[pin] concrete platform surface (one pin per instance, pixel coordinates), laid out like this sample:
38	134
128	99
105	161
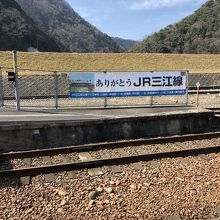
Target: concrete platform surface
77	115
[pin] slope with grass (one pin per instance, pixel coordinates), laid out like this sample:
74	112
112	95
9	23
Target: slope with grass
115	62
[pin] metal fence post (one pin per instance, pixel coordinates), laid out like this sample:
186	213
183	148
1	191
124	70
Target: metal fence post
17	95
151	101
105	100
1	88
151	98
56	89
187	89
197	94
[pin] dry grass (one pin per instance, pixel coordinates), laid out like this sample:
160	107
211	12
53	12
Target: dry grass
124	62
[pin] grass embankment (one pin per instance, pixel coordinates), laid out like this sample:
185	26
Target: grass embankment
195	63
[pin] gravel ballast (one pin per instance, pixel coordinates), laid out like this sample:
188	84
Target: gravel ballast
190	190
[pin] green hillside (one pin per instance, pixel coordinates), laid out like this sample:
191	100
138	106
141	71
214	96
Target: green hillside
197	33
126	44
71	32
18	31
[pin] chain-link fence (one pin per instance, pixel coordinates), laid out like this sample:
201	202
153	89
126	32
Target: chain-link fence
1	89
47	89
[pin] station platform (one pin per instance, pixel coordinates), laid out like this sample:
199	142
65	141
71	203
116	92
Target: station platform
32	129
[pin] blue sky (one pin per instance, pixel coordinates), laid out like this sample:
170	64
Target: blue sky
133	19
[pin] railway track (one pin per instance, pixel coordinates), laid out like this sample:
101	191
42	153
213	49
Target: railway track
124	152
216	110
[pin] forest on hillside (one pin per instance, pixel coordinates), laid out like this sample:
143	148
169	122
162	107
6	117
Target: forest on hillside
197	33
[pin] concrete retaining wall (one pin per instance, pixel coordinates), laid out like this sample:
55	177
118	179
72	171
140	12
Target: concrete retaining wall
56	134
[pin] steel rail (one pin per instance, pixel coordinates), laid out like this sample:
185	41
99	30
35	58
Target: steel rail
216	110
108	145
32	171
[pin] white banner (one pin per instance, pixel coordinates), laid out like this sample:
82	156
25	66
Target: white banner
127	84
